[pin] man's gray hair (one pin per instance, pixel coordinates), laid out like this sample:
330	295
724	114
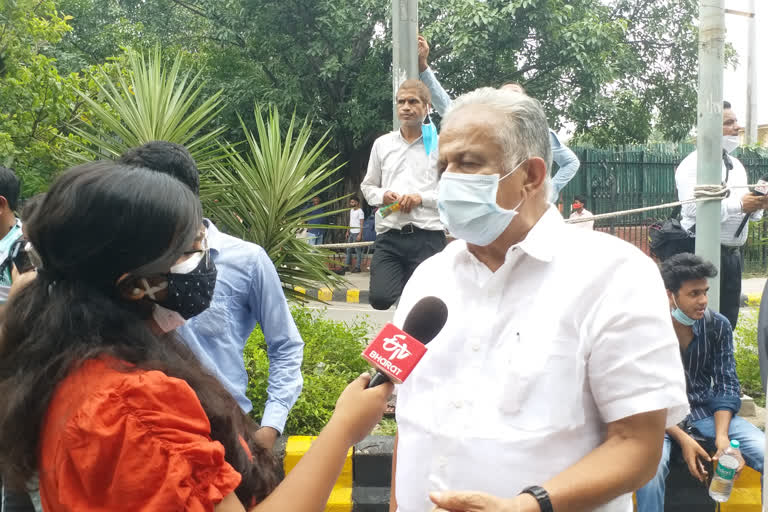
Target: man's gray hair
523	133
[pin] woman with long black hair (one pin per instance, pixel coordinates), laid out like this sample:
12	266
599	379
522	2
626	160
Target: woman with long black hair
111	413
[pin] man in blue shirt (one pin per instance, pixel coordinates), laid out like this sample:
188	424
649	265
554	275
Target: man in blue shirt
316	235
10	226
706	346
566	160
248	292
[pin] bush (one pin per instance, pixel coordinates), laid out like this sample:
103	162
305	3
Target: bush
747	359
331	361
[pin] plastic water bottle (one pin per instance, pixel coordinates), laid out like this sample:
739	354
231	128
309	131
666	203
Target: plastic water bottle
388	210
725	473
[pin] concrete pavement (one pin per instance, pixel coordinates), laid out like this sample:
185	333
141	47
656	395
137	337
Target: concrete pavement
355	292
753	287
349	313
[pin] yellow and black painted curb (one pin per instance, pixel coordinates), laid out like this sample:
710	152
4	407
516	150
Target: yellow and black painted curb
746	493
751	300
364	483
348	295
341	495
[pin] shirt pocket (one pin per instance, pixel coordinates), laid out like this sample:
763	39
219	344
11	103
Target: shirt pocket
545	395
217	320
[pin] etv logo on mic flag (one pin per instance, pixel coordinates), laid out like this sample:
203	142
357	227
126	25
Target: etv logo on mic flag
394	353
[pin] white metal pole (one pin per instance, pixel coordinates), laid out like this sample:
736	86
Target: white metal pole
710	133
750	131
405	32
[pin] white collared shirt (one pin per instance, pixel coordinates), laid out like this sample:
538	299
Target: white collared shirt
533	362
731	214
403	168
589	224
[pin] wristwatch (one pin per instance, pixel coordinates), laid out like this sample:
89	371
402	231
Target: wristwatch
541	495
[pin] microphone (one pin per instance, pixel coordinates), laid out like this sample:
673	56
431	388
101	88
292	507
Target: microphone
761	189
396	352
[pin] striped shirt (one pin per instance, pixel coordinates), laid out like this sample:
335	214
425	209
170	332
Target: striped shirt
710	369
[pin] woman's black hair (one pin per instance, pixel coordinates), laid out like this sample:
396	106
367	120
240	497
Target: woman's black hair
30	206
99	222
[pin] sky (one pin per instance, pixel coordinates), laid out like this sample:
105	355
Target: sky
735	81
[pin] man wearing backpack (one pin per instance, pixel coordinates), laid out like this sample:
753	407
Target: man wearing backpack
706	347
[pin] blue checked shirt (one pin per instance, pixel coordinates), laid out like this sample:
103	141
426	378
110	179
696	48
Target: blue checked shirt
248	292
566	160
710	369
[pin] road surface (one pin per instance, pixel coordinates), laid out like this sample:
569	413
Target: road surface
344	312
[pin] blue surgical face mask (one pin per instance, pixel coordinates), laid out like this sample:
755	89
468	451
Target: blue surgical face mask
429	135
468	208
681	317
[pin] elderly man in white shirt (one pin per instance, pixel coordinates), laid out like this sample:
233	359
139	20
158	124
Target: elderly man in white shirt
552	382
402	169
732	210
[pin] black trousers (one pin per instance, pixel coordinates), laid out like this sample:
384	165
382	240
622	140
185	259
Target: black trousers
730	283
397	254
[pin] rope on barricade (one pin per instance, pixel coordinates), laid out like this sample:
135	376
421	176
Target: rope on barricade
701	193
350	245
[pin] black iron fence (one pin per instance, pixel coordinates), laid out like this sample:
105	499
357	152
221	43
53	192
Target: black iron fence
631	177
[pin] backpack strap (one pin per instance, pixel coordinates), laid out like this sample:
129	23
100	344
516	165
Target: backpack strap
709	323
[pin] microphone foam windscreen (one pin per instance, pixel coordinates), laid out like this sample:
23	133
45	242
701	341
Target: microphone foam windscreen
426	319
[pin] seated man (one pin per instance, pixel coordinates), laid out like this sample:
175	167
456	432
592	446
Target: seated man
706	345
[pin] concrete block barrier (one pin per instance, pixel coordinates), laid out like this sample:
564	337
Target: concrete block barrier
364	484
348	295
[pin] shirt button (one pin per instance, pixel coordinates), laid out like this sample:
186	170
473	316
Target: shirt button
476	347
443	462
458	404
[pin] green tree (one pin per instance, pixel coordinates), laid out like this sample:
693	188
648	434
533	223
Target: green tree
614	68
103	28
617	69
656	87
37	102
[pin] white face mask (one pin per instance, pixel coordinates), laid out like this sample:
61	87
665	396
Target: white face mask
189	264
468	208
166	319
731	142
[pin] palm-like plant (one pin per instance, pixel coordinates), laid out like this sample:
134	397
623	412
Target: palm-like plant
261	193
147	101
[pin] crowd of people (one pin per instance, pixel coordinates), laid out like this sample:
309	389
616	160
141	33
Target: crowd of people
121	350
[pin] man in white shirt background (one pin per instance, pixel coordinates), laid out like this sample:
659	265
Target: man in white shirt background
355	233
401	169
529	397
732	210
580	212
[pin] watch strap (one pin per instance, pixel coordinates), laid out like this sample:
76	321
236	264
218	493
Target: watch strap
541	495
